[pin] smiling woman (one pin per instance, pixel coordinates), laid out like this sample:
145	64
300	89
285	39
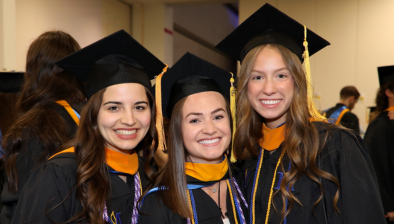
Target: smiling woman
99	177
298	168
197	184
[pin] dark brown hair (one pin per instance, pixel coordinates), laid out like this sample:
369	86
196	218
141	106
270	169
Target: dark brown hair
172	175
382	101
44	84
302	144
7	111
92	184
349	91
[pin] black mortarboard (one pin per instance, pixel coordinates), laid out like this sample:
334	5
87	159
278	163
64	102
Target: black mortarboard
11	82
268	25
386	74
191	75
115	59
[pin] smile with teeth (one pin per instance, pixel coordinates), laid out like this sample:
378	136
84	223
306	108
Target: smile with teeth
126	132
209	141
270	102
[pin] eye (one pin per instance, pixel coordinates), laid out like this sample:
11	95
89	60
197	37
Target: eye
114	108
193	121
258	77
282	76
218	117
140	108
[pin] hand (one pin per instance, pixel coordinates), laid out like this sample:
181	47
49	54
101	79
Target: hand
391	115
390	216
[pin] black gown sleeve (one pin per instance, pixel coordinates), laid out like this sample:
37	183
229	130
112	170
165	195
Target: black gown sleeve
153	210
379	139
346	157
350	121
49	197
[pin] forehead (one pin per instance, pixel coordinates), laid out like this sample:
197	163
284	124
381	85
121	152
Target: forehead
125	92
204	102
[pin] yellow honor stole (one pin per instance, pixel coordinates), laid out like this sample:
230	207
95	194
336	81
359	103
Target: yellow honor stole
69	109
389	109
207	172
116	160
272	138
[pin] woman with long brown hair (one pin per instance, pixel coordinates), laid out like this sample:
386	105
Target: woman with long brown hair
196	185
45	119
99	177
380	141
298	168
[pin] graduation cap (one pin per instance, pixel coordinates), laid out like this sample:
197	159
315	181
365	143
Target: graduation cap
11	82
191	75
115	59
268	25
386	74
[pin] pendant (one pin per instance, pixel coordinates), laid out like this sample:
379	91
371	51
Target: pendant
214	190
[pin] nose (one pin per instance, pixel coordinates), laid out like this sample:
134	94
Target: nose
269	87
209	128
128	118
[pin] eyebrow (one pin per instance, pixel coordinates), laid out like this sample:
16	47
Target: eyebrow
120	103
213	112
277	70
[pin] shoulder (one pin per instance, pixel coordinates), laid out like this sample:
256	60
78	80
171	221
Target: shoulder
335	137
350	115
153	210
64	162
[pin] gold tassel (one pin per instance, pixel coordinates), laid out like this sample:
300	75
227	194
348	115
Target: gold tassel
233	94
159	112
316	116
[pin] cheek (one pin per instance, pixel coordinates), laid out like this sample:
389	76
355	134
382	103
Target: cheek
145	119
253	90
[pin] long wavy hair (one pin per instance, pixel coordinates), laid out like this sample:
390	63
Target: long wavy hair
8	111
44	84
172	175
93	184
302	144
382	101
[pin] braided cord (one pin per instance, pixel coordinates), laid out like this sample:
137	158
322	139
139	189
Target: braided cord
255	185
272	188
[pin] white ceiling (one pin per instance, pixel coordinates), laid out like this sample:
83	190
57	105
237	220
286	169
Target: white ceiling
178	2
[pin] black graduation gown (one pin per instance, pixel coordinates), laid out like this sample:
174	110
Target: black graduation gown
52	183
153	209
345	157
28	160
349	120
379	139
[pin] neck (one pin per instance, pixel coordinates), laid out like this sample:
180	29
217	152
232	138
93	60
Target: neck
272	124
391	101
344	101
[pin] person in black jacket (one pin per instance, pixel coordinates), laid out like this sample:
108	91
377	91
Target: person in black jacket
46	114
299	168
341	113
379	139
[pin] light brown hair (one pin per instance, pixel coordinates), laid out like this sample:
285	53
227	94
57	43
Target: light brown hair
302	144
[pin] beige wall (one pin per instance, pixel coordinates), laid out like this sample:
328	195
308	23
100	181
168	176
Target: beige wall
86	20
361	33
